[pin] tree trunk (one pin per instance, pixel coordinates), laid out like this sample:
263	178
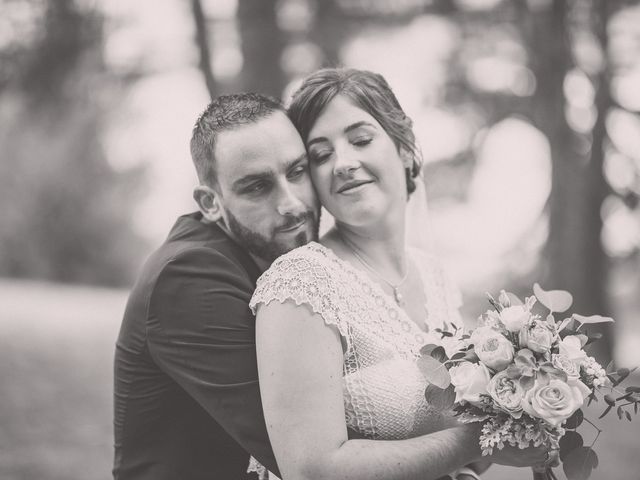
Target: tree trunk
574	255
204	47
262	46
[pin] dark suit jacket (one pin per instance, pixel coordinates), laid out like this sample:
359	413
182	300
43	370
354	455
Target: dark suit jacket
187	403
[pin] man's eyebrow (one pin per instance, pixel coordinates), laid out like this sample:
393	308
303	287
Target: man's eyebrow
293	163
250	177
347	129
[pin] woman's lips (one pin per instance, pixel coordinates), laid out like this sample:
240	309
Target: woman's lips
350	186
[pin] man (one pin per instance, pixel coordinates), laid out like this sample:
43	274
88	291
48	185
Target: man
187	402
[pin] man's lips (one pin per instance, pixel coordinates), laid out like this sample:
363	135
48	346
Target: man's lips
295	226
351	185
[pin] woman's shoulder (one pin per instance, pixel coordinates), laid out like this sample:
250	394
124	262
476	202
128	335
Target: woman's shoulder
306	275
302	274
299	260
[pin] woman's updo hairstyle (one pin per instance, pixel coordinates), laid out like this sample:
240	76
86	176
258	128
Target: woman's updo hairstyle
369	91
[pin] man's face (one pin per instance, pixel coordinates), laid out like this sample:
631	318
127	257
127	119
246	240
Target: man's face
268	202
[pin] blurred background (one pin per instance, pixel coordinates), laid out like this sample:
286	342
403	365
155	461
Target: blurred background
527	113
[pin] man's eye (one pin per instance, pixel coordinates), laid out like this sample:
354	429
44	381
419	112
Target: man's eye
297	172
255	188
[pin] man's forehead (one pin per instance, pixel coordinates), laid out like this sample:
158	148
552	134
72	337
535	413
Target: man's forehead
265	147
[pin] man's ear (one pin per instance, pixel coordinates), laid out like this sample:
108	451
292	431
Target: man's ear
209	202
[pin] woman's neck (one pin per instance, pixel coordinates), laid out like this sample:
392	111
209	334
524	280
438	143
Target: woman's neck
380	249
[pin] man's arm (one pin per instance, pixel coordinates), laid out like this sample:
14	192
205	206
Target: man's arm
202	334
300	369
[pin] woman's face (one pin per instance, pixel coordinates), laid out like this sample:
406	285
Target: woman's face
355	166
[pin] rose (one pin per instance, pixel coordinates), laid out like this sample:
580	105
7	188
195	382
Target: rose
492	348
490	318
562	362
514	318
538	337
506	393
571	347
554	401
470	381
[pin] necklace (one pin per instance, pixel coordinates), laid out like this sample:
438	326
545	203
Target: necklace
398	297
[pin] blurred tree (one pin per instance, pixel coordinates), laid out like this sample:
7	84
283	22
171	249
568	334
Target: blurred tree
66	212
575	258
262	44
203	41
512	58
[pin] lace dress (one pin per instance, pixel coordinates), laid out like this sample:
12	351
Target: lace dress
383	387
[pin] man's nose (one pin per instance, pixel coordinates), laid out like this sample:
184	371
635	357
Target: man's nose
289	202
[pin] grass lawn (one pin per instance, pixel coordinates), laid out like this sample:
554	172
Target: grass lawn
56	376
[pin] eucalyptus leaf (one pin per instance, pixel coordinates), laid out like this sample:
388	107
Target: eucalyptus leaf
591	319
568	443
434	371
458	355
579	463
439	354
428	348
513	299
564	323
574	420
554	300
438	398
527	382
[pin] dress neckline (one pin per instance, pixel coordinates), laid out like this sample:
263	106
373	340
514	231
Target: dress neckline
419	334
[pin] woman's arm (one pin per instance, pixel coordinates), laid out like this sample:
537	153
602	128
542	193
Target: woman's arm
300	371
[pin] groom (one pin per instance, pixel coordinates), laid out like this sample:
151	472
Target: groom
187	402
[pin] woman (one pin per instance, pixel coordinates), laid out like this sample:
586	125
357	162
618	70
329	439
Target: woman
353	311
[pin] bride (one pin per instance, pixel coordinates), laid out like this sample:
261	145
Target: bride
340	323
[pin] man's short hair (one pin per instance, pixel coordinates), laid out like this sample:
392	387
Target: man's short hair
224	113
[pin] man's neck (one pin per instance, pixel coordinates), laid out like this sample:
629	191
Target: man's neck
261	263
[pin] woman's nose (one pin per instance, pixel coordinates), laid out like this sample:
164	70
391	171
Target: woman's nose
346	162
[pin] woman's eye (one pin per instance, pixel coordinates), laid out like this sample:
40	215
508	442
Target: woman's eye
361	142
320	157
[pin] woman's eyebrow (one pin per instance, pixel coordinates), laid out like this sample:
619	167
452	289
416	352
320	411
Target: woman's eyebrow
357	125
347	129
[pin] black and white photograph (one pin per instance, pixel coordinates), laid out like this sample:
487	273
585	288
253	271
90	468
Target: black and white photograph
319	239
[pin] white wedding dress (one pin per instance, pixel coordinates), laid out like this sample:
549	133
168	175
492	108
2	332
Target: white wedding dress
383	387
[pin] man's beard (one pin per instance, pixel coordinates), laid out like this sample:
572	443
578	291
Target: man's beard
268	248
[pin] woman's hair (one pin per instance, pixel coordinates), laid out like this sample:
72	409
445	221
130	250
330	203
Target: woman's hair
367	90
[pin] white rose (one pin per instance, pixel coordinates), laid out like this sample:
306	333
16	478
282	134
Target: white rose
554	401
506	393
514	318
564	363
492	348
571	347
470	381
537	338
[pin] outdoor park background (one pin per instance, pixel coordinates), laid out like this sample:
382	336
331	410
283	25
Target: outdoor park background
527	112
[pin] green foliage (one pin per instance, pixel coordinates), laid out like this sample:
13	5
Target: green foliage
579	463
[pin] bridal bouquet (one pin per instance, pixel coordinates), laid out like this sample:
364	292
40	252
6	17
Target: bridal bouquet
526	376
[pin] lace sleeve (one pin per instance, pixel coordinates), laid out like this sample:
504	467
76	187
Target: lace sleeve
303	277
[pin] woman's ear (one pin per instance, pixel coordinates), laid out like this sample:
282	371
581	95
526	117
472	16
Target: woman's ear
209	202
407	159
